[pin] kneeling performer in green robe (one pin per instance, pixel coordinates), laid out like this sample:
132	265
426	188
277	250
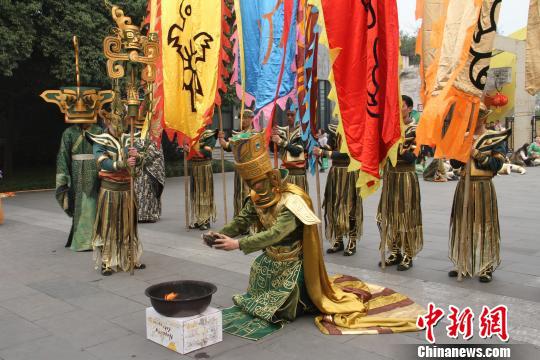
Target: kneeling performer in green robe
289	278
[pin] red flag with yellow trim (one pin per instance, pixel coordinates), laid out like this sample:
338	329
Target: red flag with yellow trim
363	37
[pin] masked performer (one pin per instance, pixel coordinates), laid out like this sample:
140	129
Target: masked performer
342	204
478	253
241	190
401	196
203	208
112	240
290	277
77	183
289	141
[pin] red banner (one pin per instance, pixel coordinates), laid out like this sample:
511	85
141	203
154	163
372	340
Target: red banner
366	77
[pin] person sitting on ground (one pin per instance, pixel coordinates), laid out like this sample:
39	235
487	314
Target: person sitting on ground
534	151
509	168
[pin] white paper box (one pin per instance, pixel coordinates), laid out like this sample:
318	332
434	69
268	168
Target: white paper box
186	334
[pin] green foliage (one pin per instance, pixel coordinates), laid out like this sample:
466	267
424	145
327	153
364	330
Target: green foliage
17	32
408	47
47	27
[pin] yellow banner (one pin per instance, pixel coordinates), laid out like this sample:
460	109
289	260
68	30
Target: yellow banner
191	42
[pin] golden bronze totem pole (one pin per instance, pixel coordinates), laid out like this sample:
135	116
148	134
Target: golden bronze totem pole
131	57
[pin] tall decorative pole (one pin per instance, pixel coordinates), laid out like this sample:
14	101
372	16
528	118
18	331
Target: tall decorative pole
223	167
127	49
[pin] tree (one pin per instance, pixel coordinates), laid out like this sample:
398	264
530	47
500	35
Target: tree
408	47
91	21
17	33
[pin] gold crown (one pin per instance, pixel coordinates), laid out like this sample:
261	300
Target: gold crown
250	155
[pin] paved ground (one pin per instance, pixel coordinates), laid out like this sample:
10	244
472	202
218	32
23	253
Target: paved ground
54	306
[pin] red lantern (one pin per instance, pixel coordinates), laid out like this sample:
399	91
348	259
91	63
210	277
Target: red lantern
499	100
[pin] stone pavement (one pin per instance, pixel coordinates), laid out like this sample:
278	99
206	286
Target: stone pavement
53	305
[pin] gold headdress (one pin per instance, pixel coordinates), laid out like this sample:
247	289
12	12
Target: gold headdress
251	156
80	105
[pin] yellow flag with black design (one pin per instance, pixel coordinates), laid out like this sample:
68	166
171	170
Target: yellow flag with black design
191	32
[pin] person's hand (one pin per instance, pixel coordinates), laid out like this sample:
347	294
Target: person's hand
131	161
186	147
226	243
276	139
132	152
317	151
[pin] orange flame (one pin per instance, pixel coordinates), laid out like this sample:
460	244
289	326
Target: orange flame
171	296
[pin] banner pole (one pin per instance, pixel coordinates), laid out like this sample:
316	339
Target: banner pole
384	222
463	229
223	168
186	189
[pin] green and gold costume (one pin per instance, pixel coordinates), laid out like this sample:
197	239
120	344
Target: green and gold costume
203	207
290	277
478	254
77	184
112	236
401	196
293	155
343	212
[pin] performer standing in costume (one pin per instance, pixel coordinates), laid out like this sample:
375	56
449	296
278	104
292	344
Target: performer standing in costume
203	208
483	238
150	180
343	215
77	183
290	277
401	195
112	240
289	141
241	190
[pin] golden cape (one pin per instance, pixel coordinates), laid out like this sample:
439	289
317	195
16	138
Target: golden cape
348	305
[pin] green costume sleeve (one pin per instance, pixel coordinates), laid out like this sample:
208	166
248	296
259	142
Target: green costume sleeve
209	142
99	154
63	172
285	224
493	162
241	222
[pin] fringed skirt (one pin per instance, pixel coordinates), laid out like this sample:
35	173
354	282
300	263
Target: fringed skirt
298	177
112	241
403	222
343	215
241	192
203	207
481	248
